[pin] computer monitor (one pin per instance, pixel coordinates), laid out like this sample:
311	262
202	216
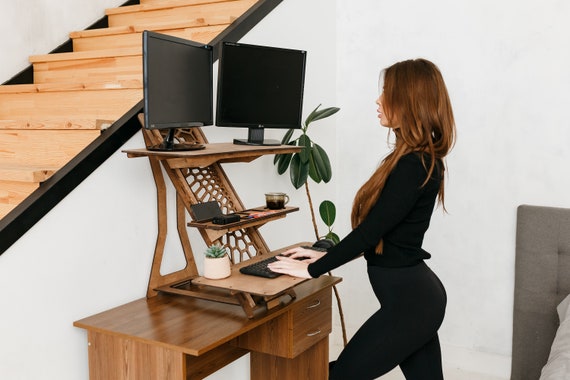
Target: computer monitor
260	87
177	86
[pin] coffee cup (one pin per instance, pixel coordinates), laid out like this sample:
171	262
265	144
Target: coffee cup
276	201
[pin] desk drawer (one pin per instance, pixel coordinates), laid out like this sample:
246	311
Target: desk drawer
288	335
311	321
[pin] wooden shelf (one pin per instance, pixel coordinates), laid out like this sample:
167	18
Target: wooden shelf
212	153
249	218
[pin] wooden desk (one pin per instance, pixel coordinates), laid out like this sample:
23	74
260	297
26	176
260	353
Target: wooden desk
177	337
174	336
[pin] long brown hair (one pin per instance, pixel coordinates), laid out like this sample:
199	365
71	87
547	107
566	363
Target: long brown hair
417	105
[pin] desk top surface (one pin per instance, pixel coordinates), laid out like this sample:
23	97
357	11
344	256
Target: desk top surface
187	324
217	152
215	149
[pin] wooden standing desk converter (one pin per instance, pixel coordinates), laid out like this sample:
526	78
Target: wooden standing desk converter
184	329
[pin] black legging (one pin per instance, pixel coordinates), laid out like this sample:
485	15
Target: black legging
403	332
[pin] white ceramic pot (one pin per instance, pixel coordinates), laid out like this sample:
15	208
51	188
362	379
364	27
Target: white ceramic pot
216	268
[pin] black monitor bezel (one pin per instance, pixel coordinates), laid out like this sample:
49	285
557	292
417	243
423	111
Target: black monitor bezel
148	124
257	124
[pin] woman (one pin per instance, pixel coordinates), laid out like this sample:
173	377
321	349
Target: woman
390	215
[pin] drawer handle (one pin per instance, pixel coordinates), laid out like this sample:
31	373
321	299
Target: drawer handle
314	333
317	303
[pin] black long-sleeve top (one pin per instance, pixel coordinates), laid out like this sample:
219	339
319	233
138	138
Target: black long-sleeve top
400	217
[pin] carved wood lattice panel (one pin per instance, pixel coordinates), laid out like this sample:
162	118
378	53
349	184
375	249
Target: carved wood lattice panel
207	185
211	184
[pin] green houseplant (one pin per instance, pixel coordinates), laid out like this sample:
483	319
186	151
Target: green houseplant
216	262
311	162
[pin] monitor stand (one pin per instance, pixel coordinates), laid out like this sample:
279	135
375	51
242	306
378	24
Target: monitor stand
255	137
168	144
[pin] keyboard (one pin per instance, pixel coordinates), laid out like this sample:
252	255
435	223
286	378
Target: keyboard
260	268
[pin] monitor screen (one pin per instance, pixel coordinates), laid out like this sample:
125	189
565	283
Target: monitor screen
260	87
177	82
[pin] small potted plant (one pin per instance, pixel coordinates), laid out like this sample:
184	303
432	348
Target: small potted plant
216	263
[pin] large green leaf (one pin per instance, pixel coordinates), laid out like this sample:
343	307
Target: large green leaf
322	162
278	157
313	172
299	172
320	114
283	163
311	116
327	210
305	142
287	138
324	113
334	237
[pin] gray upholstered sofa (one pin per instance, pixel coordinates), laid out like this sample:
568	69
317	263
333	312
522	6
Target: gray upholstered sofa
542	282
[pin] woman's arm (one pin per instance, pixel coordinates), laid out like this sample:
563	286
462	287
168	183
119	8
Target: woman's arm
401	191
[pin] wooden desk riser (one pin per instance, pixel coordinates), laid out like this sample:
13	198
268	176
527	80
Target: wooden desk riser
178	165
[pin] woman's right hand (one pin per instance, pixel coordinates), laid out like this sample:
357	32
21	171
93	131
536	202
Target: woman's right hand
306	255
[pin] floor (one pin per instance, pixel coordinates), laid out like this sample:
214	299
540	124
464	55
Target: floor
492	364
450	374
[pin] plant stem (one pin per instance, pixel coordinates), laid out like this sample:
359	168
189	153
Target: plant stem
340	313
315	228
337	295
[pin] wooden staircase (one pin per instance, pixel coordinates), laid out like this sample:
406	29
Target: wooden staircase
78	94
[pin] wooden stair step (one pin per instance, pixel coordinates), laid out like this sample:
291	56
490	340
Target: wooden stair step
150	13
12	175
109	65
69	86
175	2
63	123
13	193
102	69
156	26
43	148
18	182
107	104
149	5
5	209
79	55
202	34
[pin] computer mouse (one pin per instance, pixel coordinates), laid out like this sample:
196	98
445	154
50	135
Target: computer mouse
324	243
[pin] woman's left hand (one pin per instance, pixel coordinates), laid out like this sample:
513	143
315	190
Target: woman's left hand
292	267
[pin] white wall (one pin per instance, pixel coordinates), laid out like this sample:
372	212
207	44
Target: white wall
505	64
35	27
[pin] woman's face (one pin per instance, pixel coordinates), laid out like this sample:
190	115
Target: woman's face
381	115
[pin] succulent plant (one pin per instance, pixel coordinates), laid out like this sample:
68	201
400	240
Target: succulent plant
215	251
